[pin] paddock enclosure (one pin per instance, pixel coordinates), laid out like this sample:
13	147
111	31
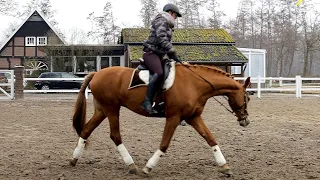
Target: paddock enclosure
282	142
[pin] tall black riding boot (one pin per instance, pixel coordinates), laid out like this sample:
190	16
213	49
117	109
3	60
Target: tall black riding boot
152	88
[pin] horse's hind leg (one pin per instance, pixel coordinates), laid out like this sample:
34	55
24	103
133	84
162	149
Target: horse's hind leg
94	122
113	116
198	124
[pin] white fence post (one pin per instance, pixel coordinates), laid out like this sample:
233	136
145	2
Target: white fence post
259	87
270	83
280	81
298	86
12	84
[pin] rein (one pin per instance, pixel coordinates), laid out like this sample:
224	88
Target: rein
213	87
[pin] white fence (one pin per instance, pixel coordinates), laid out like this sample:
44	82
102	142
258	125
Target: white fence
56	90
297	87
10	83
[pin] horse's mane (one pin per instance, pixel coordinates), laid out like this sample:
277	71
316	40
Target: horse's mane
210	68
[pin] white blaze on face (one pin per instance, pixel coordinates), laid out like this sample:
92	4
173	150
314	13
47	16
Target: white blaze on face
125	154
218	156
78	151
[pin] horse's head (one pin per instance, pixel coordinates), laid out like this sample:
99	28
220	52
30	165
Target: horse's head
238	101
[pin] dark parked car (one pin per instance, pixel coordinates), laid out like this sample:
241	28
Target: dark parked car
61	84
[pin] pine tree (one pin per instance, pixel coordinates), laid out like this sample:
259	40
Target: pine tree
104	29
148	11
215	21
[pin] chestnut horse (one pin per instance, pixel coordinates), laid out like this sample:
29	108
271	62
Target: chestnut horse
185	100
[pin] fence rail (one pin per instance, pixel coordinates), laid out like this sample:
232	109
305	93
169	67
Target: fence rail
283	87
9	83
87	91
296	87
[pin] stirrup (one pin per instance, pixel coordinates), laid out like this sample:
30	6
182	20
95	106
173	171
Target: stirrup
151	110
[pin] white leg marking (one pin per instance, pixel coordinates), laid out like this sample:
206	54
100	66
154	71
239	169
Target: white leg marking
218	156
125	154
153	161
78	151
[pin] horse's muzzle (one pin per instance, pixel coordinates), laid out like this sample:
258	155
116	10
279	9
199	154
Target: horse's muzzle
244	122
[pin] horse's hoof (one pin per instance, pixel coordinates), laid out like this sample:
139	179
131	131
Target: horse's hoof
225	169
73	162
146	170
133	169
183	123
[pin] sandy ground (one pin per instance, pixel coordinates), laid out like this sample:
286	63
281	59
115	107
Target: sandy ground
282	142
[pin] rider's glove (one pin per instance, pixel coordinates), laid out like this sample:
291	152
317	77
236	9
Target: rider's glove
172	54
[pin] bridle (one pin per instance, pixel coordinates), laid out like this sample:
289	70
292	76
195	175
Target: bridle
233	111
237	109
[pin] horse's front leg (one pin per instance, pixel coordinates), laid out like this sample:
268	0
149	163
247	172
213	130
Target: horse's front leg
170	127
88	128
198	124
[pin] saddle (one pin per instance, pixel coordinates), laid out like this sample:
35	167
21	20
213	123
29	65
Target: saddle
141	77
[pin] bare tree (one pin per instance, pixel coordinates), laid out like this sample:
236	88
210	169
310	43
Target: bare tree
77	36
270	13
185	8
197	12
44	6
148	11
311	36
46	9
6	33
104	28
7	7
215	21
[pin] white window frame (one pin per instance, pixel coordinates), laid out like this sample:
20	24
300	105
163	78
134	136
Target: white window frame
45	41
30	44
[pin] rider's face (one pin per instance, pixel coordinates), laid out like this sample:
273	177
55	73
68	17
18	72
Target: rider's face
173	14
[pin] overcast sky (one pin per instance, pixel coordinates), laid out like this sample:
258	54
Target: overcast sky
73	13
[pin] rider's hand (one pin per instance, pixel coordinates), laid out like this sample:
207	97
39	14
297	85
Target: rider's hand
172	54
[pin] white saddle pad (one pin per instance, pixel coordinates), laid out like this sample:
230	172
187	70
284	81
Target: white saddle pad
145	74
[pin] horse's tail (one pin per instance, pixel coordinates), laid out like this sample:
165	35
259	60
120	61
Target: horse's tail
80	109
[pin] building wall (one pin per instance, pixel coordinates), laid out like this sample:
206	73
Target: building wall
14	62
4	63
7	51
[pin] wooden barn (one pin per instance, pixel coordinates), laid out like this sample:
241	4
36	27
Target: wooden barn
196	46
23	46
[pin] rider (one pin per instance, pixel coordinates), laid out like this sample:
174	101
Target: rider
155	47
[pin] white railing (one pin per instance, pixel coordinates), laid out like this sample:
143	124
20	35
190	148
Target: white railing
87	91
298	86
10	84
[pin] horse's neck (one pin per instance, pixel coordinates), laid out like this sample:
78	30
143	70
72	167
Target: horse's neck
218	82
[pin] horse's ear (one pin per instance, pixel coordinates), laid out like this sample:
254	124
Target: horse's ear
247	83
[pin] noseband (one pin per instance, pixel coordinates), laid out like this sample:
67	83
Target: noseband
239	108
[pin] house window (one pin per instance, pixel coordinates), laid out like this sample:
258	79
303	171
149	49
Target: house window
30	41
42	41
